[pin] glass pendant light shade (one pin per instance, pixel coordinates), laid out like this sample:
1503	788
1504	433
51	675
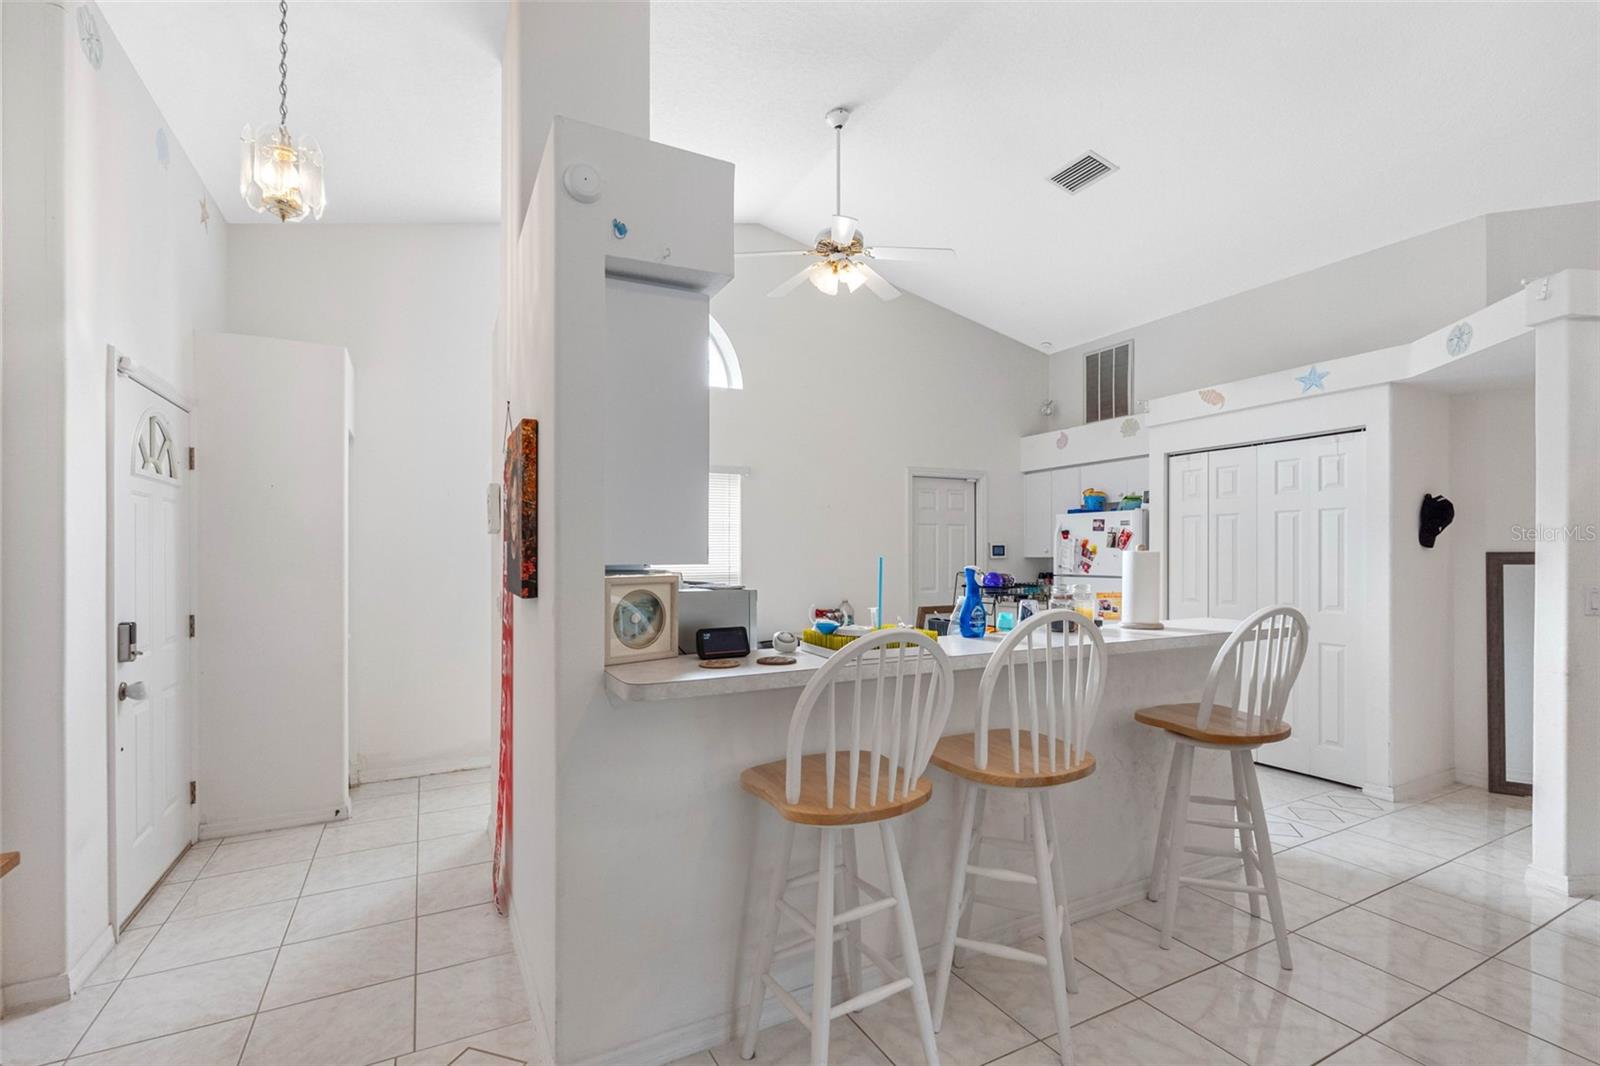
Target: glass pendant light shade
280	177
825	280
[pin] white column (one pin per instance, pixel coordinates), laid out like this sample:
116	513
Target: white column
1564	311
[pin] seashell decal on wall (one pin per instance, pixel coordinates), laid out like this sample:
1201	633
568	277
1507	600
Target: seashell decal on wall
1130	427
1061	440
89	37
1213	397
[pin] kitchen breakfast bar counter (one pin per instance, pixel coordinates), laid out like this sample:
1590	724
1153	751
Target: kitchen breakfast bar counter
663	825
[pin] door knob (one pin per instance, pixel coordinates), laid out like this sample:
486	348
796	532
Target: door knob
134	691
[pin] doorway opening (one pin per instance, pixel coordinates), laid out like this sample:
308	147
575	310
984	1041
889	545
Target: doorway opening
1509	585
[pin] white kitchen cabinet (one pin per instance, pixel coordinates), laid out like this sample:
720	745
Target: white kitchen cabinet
1066	492
1038	514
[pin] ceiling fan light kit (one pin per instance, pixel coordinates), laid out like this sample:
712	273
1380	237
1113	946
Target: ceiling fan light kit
841	252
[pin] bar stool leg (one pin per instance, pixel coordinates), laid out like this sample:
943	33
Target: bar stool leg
822	965
1177	838
1169	803
768	941
1269	869
967	799
909	951
1059	872
970	890
850	894
1247	847
1043	871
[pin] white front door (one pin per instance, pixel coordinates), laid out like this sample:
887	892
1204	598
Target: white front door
944	537
151	685
1309	550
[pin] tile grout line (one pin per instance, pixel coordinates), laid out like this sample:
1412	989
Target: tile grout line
251	1031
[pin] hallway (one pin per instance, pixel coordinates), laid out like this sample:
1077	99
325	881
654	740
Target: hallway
354	942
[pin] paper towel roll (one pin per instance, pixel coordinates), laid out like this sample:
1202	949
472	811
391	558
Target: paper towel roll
1141	589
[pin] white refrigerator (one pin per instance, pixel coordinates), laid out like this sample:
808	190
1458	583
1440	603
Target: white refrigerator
1089	546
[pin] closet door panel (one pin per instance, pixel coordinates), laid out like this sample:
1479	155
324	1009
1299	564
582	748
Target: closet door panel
1188	558
1231	505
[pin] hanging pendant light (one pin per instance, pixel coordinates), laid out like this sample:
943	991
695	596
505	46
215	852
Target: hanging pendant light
277	174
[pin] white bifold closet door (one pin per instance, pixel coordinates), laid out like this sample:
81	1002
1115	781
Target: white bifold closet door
1282	524
1309	539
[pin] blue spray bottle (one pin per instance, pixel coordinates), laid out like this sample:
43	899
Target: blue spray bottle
970	616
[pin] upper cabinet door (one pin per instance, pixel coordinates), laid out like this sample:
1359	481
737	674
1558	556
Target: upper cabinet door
1188	557
1066	492
1038	517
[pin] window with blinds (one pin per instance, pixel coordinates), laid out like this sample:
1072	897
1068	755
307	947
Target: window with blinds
1108	383
724	513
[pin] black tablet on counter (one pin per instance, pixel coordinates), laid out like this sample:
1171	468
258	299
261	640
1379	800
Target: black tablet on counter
722	642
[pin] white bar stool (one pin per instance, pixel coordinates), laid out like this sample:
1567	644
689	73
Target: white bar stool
1045	745
878	778
1274	641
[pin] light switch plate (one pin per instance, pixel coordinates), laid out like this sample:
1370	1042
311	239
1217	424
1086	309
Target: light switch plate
495	508
1591	605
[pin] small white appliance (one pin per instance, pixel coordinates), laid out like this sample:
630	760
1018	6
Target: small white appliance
1089	546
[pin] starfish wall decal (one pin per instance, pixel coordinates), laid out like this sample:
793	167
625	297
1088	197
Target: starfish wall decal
1312	379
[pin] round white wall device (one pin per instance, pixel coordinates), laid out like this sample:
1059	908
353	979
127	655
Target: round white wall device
582	183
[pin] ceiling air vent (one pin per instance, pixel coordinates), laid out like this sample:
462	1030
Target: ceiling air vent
1083	171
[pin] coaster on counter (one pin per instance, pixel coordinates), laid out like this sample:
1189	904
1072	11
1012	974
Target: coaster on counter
720	664
776	660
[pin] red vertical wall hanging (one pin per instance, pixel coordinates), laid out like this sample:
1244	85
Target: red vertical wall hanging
519	530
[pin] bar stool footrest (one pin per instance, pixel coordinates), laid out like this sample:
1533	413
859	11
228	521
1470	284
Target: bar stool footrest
871	996
1223	886
1000	873
1001	951
784	996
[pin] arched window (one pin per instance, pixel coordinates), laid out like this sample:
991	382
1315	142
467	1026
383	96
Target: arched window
723	359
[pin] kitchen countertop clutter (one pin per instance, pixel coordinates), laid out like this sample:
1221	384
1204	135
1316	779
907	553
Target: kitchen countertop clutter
682	678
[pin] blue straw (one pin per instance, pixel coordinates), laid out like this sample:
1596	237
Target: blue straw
880	590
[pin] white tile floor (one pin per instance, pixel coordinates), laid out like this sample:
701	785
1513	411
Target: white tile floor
1416	940
367	941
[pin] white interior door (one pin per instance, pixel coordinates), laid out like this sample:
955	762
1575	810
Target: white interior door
153	726
944	536
1309	538
1231	504
1187	552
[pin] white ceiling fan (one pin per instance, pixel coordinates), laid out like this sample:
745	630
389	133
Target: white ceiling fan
841	252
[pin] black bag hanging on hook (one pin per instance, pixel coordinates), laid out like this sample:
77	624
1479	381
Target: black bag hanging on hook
1437	513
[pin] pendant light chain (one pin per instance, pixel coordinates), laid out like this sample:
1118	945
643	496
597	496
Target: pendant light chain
283	64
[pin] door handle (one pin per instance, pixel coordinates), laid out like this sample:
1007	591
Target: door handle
133	691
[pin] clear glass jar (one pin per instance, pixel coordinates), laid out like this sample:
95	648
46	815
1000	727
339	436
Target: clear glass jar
1083	600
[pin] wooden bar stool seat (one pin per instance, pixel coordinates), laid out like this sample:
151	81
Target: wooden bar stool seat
882	700
958	755
1255	669
1052	688
1223	727
767	783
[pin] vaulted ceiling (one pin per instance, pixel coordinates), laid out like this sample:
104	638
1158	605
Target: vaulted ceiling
1255	141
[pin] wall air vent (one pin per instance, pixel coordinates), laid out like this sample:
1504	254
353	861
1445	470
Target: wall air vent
1085	170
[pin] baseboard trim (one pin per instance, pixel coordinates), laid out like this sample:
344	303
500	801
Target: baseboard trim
544	1040
719	1028
41	992
1420	788
418	768
1472	778
239	826
97	951
1579	886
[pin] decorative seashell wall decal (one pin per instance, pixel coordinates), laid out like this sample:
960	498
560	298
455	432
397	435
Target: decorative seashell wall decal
1061	439
1130	426
1213	397
1459	340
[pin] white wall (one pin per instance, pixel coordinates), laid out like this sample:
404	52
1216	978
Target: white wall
415	307
1491	485
270	428
104	245
1390	295
842	396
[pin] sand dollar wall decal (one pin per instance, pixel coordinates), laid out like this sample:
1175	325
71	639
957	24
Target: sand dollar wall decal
1212	397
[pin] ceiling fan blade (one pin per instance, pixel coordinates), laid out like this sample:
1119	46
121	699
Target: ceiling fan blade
785	251
792	284
844	229
875	282
886	252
